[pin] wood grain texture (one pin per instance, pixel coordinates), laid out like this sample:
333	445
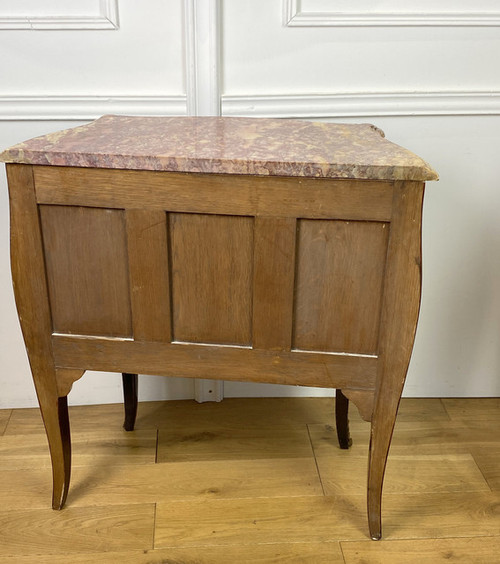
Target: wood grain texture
422	521
32	300
473	409
224	522
87	270
479	550
149	274
212	271
400	308
104	482
215	193
216	362
420	473
236	413
101	448
340	272
274	276
185	414
363	400
86	529
487	457
274	553
28	421
66	379
183	443
441	515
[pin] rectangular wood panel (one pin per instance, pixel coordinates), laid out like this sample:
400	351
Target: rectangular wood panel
274	271
149	278
87	270
212	270
340	273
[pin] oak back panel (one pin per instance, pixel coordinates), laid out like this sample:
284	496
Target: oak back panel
238	265
87	270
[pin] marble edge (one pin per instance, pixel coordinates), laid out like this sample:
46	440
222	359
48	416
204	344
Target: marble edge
217	166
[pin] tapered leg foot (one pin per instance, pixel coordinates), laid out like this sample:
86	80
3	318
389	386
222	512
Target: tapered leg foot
130	383
56	420
342	420
380	442
375	482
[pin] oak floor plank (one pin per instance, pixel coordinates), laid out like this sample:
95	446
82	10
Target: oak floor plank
246	469
285	553
82	418
156	414
410	474
487	457
324	519
91	448
94	529
238	412
195	480
410	437
230	442
476	550
106	484
314	519
419	409
475	409
441	515
114	485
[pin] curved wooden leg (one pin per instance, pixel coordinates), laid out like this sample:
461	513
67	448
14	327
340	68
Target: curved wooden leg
56	420
32	300
380	441
342	419
130	383
399	321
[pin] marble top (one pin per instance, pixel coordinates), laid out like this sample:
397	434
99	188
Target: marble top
226	145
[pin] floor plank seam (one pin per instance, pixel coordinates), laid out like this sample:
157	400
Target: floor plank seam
315	460
342	549
482	473
450	418
7	423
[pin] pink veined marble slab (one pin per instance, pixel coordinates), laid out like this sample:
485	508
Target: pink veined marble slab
226	145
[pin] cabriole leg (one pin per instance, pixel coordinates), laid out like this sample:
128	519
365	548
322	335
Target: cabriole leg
55	416
130	384
342	419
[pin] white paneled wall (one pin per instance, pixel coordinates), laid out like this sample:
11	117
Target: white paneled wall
424	72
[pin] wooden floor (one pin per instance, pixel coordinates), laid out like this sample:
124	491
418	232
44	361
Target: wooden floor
253	481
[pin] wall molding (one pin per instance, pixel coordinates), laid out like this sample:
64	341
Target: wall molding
106	17
293	16
451	103
349	104
202	56
33	108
